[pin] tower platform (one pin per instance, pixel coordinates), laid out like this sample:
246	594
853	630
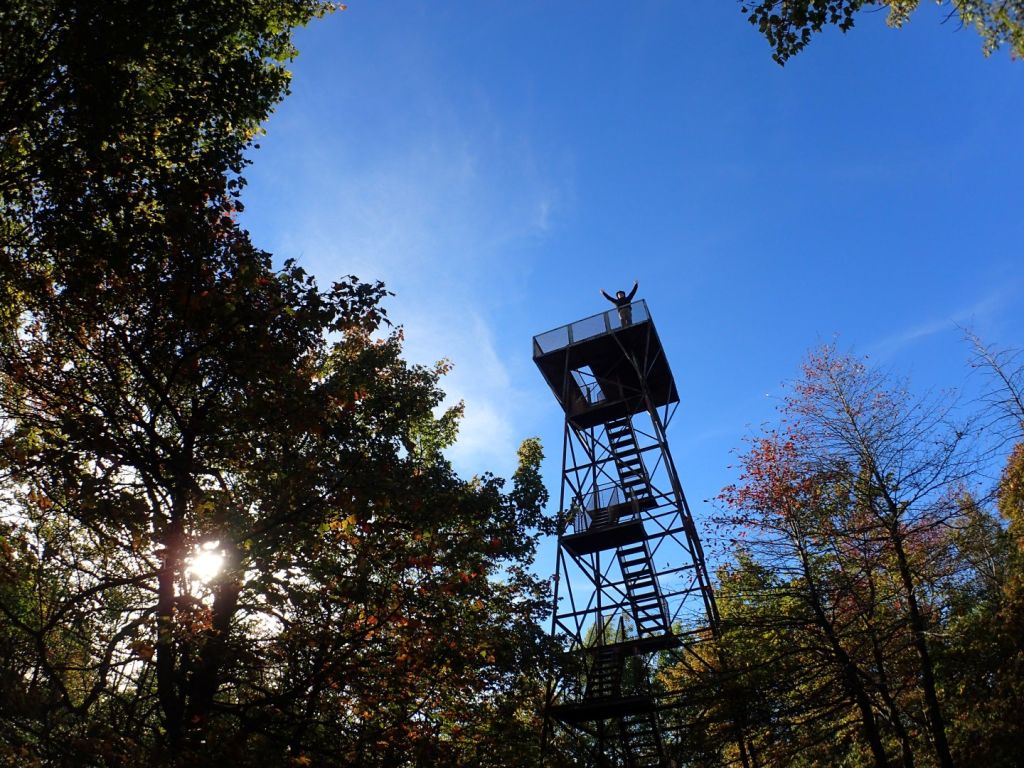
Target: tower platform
603	709
601	537
600	368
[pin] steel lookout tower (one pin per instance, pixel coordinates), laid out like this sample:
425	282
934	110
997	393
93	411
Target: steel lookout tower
631	585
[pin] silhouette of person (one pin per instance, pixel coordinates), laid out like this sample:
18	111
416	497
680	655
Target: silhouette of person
622	300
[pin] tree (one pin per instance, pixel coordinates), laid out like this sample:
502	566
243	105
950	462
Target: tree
119	120
852	506
200	407
789	25
983	661
804	609
1003	398
913	458
169	398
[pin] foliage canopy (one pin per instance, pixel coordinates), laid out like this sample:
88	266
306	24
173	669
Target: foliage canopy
789	25
169	395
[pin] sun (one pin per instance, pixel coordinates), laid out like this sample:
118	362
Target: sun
206	563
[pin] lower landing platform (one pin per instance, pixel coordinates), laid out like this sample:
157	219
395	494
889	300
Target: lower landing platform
600	538
602	709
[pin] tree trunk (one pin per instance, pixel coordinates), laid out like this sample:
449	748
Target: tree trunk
906	749
851	675
206	677
917	626
166	652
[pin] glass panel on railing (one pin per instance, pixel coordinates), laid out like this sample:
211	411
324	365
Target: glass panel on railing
552	340
628	315
640	313
581	522
588	327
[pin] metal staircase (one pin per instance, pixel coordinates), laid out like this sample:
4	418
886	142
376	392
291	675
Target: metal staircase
639	578
605	678
625	451
649	611
641	741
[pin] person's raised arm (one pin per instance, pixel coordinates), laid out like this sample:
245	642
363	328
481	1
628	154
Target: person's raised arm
636	284
607	296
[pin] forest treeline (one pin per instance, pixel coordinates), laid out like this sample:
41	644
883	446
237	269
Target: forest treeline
872	604
171	393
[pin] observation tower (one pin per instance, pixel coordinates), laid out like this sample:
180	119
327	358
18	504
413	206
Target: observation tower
631	586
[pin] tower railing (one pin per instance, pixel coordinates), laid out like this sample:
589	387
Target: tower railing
589	327
598	502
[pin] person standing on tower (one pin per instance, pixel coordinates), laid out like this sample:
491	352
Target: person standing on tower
622	300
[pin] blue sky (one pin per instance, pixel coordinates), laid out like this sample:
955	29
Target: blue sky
498	163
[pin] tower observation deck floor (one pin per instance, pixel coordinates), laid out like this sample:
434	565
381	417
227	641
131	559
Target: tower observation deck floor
599	367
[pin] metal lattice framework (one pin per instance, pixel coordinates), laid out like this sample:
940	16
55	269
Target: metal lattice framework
631	585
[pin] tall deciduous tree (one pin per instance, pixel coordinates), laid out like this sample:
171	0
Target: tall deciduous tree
983	660
850	508
369	606
812	611
119	121
229	533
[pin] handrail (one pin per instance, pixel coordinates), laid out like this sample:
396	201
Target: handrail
599	499
589	327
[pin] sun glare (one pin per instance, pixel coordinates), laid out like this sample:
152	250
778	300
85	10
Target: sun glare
206	563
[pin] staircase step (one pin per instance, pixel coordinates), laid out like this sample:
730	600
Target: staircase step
644	597
651	628
649	593
651	615
640	580
631	577
636	578
648	622
648	606
636	568
634	557
633	560
650	631
638	589
637	491
630	565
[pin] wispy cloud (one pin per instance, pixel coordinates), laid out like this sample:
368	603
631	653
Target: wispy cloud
436	223
487	436
989	304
